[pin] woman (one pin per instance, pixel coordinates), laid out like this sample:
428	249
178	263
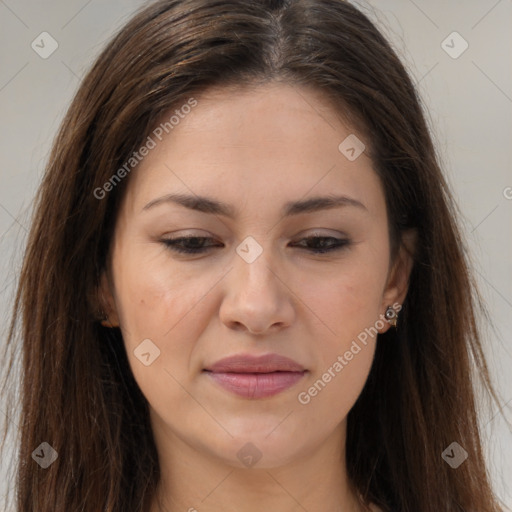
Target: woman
244	287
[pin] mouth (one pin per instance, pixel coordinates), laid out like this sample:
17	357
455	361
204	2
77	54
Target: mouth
256	377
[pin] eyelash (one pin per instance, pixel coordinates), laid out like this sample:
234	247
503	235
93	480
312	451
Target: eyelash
172	244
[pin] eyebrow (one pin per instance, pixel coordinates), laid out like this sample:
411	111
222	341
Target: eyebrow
212	206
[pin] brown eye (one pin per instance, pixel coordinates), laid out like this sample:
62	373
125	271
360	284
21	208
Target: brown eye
196	244
188	245
323	244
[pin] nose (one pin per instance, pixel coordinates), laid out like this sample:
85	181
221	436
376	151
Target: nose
257	297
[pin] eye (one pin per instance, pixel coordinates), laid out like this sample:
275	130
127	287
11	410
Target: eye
188	244
323	244
195	244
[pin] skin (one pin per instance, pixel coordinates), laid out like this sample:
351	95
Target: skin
254	149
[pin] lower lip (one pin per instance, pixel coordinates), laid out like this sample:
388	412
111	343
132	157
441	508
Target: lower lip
257	385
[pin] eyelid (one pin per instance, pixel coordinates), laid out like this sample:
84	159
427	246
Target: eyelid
310	232
336	245
322	232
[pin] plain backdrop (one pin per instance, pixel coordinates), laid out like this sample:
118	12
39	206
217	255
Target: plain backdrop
468	97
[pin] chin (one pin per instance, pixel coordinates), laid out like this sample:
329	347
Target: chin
257	449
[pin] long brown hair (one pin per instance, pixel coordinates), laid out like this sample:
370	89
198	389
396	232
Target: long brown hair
77	391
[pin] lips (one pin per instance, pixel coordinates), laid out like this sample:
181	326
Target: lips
256	377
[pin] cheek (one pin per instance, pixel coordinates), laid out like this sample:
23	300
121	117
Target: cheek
349	299
156	301
349	306
328	396
348	303
151	294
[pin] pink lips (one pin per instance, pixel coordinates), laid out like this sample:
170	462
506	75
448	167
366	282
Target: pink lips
256	377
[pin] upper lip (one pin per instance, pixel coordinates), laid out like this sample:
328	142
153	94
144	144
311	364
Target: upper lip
246	363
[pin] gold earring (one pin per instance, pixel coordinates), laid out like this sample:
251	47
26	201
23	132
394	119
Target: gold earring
391	316
104	319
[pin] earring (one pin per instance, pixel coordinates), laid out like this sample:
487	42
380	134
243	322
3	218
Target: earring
391	316
104	319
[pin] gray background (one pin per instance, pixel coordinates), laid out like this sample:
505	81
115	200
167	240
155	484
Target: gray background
469	103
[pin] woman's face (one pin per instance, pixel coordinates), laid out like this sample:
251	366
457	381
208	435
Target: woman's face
259	172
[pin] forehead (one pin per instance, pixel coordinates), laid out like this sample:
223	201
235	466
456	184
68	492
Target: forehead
273	112
265	142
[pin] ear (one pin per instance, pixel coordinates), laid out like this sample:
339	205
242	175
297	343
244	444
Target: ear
398	277
106	302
